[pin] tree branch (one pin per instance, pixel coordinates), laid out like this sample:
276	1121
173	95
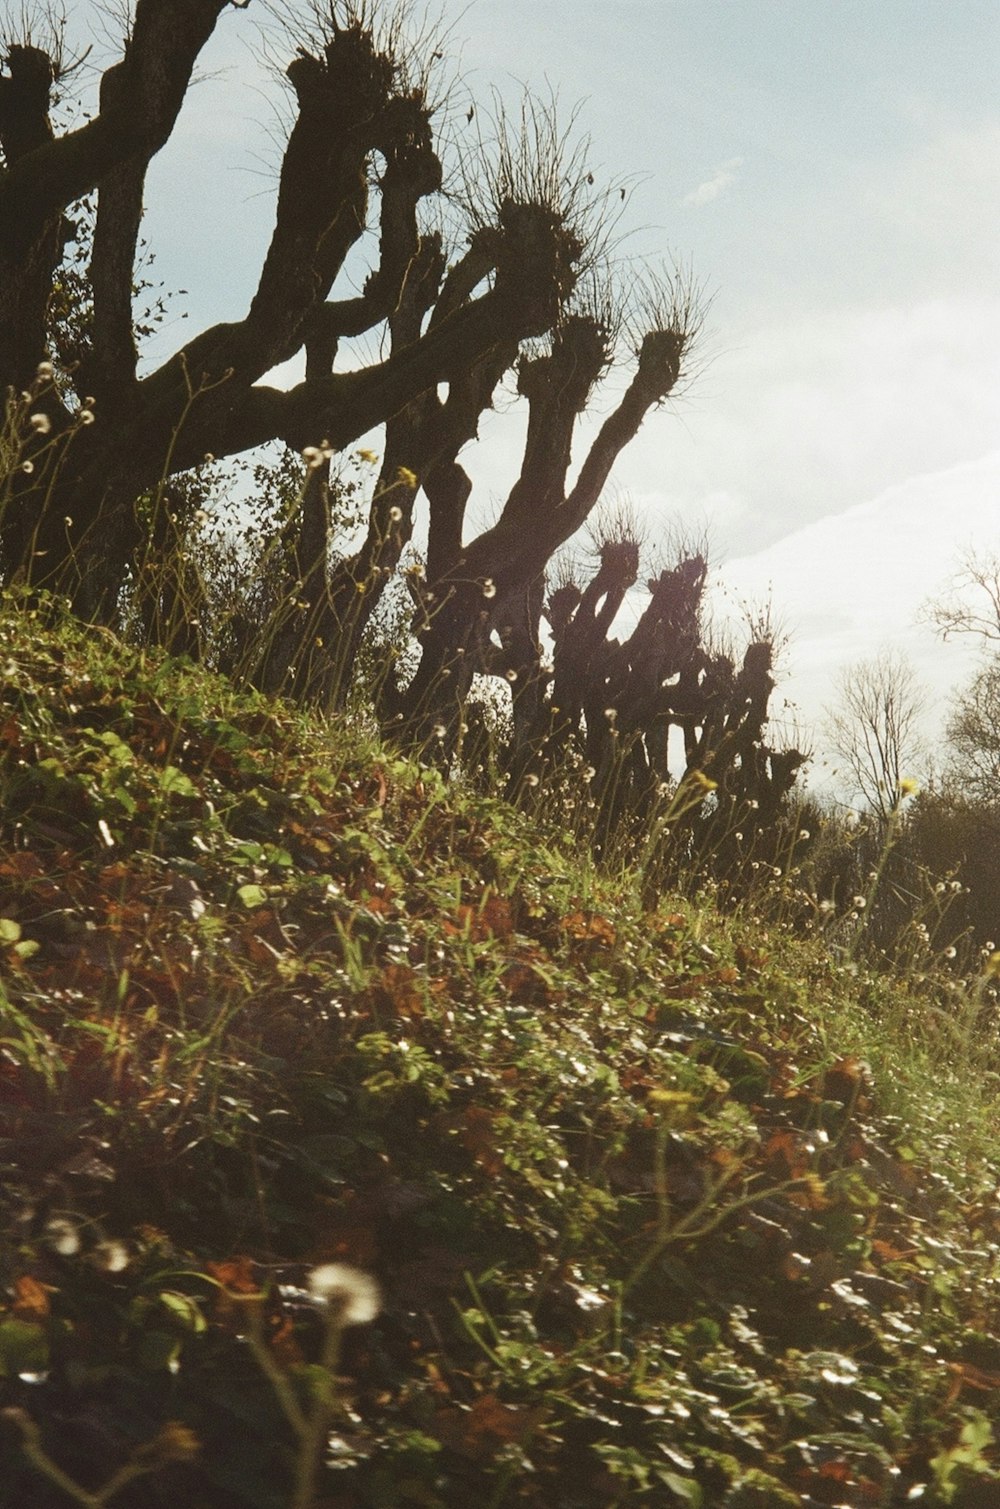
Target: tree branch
147	86
557	387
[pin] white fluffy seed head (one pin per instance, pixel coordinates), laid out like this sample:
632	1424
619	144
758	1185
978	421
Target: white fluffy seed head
353	1293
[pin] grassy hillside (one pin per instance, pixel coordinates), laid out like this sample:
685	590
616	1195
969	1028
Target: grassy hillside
664	1206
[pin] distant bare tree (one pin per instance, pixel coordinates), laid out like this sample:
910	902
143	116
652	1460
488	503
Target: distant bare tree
873	728
974	734
971	603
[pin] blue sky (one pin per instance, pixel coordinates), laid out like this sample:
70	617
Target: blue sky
832	170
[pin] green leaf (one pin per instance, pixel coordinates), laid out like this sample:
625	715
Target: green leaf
183	1309
24	1347
177	783
157	1349
10	931
686	1489
252	896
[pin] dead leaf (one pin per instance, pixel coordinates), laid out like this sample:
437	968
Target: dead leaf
397	990
31	1298
590	927
235	1274
480	1432
477	1136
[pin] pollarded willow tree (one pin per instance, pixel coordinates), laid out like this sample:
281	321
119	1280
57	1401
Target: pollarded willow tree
361	150
522	292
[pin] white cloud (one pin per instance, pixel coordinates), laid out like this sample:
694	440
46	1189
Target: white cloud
804	417
937	208
850	585
724	176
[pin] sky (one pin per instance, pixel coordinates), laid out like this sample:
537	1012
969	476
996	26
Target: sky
831	171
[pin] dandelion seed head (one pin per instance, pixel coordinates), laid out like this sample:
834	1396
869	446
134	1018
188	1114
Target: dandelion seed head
489	590
110	1255
62	1236
354	1293
86	416
395	513
27	467
45	372
40	423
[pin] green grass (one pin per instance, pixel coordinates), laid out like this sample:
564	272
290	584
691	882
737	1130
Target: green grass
664	1205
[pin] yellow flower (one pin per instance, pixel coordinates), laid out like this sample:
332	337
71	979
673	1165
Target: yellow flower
404	475
907	787
370	456
699	778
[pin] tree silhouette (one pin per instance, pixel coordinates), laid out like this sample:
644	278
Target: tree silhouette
524	288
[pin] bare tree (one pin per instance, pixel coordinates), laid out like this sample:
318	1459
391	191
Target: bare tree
874	728
971	605
974	734
971	602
